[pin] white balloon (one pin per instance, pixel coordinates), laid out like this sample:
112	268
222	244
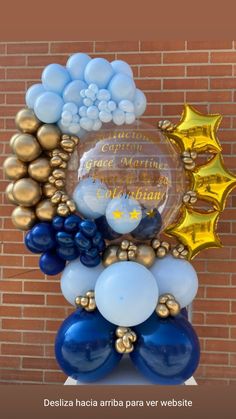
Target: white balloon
97	125
103	105
126	293
105	116
111	105
82	93
87	102
92	112
70	107
120	66
177	277
74	128
129	117
75	118
103	94
140	102
66	116
83	110
86	123
93	87
118	117
77	279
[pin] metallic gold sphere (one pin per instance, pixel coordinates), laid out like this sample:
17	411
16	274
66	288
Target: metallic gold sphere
49	136
9	194
14	168
27	121
27	192
63	210
162	310
145	255
45	211
109	256
40	169
174	307
12	139
49	190
23	218
26	147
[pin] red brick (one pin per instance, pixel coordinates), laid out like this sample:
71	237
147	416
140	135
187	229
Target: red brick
221	319
162	45
148	84
223	57
42	286
70	47
27	48
9	336
223	83
185	84
40	364
221	293
214	358
55	300
224	372
141	58
221	345
44	312
23	299
11	349
22	324
21	376
185	57
24	73
212	306
102	46
209	70
212	332
12	60
54	377
9	362
10	285
53	325
209	96
43	60
161	71
209	45
10	311
38	337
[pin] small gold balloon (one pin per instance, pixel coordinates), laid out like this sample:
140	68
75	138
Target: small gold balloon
27	192
174	307
26	147
49	190
63	210
23	218
162	310
45	211
12	140
109	256
9	194
145	255
40	169
14	168
27	121
49	136
122	255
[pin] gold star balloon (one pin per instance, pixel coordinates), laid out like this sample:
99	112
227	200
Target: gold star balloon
196	230
213	182
196	131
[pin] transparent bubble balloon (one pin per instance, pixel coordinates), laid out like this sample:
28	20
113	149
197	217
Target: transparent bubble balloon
129	164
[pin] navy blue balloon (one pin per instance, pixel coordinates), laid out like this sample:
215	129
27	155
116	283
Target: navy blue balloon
88	228
67	253
167	351
72	222
42	236
64	239
107	231
29	244
58	223
51	264
90	261
149	226
82	242
184	312
85	347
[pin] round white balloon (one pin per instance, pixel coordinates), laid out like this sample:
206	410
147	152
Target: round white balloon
77	279
177	277
126	293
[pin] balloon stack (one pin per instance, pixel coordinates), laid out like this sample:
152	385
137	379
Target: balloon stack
96	188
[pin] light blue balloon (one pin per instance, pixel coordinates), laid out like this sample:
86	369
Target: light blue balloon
118	117
90	197
111	105
121	284
55	77
33	93
87	101
98	71
120	66
97	125
103	105
70	107
66	116
77	279
176	277
129	117
104	94
72	92
92	112
74	128
126	105
105	116
76	65
140	102
121	87
83	111
48	107
64	126
93	87
123	214
86	123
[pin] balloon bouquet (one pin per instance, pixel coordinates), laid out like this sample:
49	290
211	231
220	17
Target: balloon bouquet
94	188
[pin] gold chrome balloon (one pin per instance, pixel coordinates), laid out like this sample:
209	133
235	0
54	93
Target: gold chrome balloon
196	230
125	339
45	210
145	255
49	136
26	192
49	190
23	218
12	139
26	121
213	182
40	169
14	168
196	131
26	147
167	306
109	255
9	194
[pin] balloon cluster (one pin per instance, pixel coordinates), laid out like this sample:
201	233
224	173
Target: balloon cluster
85	94
65	239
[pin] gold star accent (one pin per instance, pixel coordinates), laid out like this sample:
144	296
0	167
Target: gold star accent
134	214
151	213
196	230
196	131
117	214
212	182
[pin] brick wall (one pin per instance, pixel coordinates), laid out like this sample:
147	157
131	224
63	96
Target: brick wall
31	306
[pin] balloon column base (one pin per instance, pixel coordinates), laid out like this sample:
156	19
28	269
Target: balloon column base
124	374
